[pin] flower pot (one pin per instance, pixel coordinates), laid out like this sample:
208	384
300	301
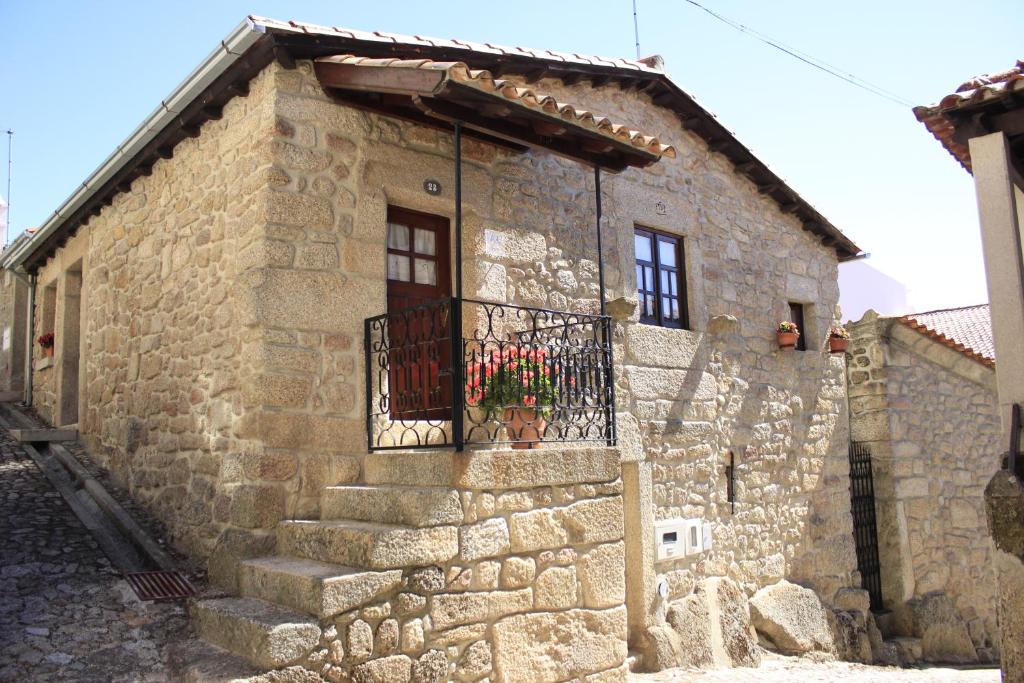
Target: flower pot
787	340
48	352
525	427
837	344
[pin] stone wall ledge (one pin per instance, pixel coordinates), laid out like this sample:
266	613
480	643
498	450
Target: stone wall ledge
495	469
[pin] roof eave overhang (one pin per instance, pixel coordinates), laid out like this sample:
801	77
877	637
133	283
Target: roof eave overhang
256	42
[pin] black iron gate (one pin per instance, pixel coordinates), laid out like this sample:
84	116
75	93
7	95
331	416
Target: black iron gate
865	531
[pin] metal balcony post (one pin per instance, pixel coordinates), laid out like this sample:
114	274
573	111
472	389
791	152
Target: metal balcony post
458	381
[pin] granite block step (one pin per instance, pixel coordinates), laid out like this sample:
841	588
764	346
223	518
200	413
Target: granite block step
262	633
367	545
317	588
406	505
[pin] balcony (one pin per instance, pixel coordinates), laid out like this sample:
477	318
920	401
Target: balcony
451	373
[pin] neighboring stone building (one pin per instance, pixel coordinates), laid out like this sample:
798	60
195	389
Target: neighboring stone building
245	301
982	126
923	401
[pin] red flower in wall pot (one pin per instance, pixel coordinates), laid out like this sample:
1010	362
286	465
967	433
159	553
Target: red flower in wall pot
46	342
787	333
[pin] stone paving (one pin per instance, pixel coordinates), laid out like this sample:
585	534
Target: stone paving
779	669
65	614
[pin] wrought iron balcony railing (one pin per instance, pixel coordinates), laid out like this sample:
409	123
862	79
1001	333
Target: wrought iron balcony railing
447	374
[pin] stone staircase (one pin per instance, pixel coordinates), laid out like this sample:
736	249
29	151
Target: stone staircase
354	555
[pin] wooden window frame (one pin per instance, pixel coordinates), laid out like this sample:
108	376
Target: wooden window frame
678	271
798	315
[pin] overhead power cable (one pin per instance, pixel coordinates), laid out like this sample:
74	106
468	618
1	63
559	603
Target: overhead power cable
810	60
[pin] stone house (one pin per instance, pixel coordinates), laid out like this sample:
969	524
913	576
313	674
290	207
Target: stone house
255	301
923	404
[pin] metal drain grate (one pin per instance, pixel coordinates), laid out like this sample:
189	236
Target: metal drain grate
160	586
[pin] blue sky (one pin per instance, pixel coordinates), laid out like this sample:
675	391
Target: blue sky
79	76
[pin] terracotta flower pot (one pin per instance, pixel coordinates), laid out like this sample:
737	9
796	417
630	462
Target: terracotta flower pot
48	351
837	344
787	340
525	427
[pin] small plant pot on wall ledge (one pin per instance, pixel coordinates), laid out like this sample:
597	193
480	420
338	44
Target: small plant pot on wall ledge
787	340
525	427
837	344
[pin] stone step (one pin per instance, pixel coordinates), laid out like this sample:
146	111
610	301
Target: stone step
367	545
407	505
196	661
316	588
264	634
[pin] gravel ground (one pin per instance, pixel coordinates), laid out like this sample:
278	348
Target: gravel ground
776	669
65	613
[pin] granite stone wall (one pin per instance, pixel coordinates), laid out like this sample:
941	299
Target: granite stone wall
929	415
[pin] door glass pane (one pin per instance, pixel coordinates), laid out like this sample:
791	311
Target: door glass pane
398	237
424	242
398	267
640	278
643	247
667	253
426	272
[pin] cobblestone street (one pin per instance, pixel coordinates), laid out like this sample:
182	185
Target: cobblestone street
778	669
65	614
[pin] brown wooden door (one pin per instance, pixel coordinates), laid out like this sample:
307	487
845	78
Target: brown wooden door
419	293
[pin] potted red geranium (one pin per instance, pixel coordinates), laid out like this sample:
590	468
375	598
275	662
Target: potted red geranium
787	334
517	384
838	339
46	341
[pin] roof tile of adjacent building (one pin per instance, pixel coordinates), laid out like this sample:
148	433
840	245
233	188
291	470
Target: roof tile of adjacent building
979	90
967	330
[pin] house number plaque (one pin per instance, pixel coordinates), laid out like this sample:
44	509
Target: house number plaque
431	186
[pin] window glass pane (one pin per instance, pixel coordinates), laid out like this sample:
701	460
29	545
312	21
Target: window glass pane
424	242
666	307
672	280
667	253
398	267
640	278
649	275
649	307
665	277
643	247
675	309
426	272
398	237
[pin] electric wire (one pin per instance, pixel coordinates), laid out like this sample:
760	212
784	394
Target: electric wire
808	59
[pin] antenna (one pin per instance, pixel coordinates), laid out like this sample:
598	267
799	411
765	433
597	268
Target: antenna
636	32
7	223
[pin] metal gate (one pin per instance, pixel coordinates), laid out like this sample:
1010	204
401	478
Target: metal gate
865	531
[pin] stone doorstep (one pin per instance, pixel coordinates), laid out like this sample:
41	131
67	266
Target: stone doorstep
388	504
40	435
266	635
495	469
316	588
367	545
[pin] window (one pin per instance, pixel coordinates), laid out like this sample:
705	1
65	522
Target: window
796	315
660	278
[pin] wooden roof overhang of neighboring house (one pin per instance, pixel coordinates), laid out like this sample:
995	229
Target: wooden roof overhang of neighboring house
257	42
985	104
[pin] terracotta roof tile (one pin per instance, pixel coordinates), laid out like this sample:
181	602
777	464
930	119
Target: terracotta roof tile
482	80
967	330
978	90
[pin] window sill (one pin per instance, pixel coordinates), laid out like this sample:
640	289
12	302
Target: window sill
44	363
